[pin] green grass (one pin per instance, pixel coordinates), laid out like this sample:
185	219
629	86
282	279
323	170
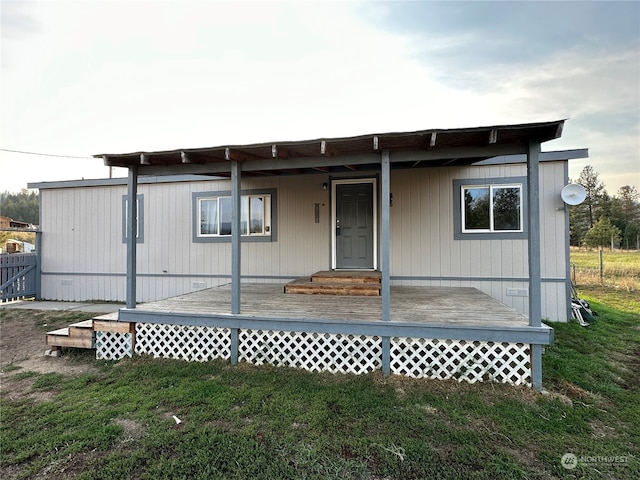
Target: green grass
270	423
621	269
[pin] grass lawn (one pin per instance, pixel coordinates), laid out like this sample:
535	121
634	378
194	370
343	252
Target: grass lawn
117	421
621	269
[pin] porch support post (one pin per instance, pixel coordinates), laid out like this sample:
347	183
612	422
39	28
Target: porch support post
234	333
384	259
132	233
535	289
235	237
533	187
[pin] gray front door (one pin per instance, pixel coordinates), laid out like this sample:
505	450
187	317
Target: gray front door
354	225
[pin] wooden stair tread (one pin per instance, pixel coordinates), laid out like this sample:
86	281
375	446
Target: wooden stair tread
346	276
107	317
61	331
337	285
83	324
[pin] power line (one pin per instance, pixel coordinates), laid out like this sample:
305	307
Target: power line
43	154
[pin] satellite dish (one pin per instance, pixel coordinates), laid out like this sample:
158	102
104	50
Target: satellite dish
573	194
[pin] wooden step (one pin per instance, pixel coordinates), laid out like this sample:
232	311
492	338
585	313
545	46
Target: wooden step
83	334
346	276
71	337
110	323
304	285
82	330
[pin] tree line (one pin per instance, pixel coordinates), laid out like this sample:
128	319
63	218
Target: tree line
23	206
603	220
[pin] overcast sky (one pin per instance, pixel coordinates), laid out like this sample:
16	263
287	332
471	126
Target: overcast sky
90	77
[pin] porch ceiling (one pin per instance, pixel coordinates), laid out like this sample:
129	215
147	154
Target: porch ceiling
423	148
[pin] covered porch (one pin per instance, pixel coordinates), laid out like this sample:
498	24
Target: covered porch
393	319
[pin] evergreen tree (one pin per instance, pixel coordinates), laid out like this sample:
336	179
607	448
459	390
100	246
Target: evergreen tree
23	206
578	225
602	234
627	215
594	188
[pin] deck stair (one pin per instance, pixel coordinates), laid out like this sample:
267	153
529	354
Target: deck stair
338	282
83	334
76	335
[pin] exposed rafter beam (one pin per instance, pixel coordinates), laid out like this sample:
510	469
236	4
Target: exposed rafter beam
279	152
432	140
493	136
351	167
144	159
376	144
185	157
420	155
326	149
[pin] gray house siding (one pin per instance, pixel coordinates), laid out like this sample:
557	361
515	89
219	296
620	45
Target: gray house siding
84	257
424	252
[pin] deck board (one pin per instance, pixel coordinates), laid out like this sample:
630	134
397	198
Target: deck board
442	305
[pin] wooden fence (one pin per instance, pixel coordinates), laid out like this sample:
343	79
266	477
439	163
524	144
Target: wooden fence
18	276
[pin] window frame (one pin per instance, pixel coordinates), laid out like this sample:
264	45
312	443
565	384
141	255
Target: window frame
269	207
459	230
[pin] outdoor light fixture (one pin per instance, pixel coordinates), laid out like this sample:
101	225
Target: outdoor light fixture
325	186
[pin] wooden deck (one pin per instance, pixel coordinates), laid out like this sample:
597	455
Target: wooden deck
433	332
418	305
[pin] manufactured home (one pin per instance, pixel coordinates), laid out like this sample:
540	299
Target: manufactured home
436	253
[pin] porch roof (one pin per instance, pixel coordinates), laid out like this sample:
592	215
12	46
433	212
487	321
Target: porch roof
434	147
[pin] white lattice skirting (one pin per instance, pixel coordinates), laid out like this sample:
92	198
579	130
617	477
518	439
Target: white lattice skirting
113	346
471	361
190	343
463	360
317	352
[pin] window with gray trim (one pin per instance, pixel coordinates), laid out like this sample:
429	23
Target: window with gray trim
489	208
140	215
212	216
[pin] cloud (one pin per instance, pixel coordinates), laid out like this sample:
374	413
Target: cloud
108	77
17	21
